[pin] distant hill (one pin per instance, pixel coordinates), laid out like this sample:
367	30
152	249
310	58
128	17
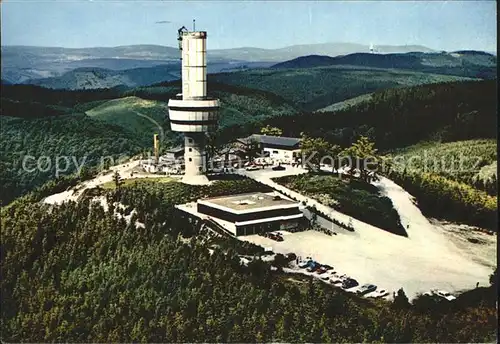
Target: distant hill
311	89
294	51
464	63
91	78
399	117
21	63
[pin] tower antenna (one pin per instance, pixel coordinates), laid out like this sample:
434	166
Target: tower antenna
194	25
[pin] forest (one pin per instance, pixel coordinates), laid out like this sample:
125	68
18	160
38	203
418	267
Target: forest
399	117
77	136
77	273
349	196
311	89
472	162
447	199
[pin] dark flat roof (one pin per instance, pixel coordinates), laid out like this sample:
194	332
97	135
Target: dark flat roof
272	140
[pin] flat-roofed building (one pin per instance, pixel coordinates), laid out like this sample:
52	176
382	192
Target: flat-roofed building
252	213
278	148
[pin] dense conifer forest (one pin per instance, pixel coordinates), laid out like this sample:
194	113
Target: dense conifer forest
80	273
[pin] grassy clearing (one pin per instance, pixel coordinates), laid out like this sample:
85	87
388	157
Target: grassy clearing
130	113
349	196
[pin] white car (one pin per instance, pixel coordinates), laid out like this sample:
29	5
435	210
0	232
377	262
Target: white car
378	294
338	279
444	294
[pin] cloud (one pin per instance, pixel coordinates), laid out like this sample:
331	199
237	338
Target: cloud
163	22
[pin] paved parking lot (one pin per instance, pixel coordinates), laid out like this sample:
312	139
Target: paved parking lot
388	263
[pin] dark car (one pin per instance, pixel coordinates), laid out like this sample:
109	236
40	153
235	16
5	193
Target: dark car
349	283
366	288
279	168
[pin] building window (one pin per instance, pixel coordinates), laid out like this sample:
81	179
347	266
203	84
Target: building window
190	149
190	159
190	140
275	152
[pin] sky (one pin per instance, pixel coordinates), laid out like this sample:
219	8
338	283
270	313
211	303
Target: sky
440	25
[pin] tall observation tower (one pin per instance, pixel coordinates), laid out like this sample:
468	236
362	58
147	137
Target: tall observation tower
192	112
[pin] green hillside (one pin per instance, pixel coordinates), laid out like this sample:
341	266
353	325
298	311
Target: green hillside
239	105
454	181
74	137
141	117
400	117
38	121
473	162
95	78
315	88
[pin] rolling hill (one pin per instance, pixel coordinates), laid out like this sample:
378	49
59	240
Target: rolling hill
464	63
454	181
77	137
94	123
473	162
315	88
21	63
141	117
92	78
400	117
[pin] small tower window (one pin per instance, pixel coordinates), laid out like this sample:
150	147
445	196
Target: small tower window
190	159
190	149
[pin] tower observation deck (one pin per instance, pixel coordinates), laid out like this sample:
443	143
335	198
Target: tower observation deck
192	112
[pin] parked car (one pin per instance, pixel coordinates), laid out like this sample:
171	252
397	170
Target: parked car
304	264
321	270
291	256
349	283
279	168
252	168
275	237
379	293
337	278
366	288
313	267
445	295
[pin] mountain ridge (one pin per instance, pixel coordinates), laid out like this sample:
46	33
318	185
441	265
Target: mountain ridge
463	63
21	62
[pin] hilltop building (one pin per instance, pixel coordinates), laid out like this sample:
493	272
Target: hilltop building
280	149
251	213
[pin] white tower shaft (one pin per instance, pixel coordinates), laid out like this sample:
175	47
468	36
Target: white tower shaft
194	113
194	66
